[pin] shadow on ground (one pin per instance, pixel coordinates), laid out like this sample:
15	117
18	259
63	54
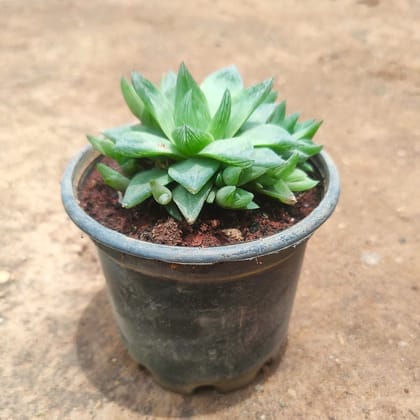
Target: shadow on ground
111	370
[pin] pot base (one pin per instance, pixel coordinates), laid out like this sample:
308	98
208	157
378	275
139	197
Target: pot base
224	385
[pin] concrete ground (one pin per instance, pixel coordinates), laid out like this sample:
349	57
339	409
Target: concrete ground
355	332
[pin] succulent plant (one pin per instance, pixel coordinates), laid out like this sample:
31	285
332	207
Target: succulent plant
215	143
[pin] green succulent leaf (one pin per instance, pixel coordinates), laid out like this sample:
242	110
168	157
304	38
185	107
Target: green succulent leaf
112	177
189	141
285	195
265	157
139	188
303	157
185	112
219	180
173	211
307	147
191	106
307	167
267	179
142	144
304	124
134	103
262	113
212	196
296	175
130	166
271	97
252	206
299	180
231	175
168	86
231	197
193	173
115	132
290	121
278	115
250	174
190	205
102	145
106	147
155	102
279	191
189	112
215	85
306	131
288	166
221	117
270	135
245	103
160	193
184	83
236	151
302	185
258	117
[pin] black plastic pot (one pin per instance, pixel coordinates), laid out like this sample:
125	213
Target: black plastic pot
201	316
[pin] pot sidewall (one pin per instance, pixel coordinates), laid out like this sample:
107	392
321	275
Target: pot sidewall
201	316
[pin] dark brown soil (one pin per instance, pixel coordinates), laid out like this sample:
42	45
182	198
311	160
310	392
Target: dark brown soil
215	226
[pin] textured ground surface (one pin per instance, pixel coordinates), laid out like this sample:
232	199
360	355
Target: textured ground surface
355	332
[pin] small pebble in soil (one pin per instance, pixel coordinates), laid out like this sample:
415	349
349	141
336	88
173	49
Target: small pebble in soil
214	223
233	233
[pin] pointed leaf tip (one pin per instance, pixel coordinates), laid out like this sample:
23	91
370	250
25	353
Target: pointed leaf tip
216	83
221	117
156	103
190	205
193	173
245	103
190	108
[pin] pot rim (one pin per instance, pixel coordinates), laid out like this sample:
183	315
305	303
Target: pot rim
290	237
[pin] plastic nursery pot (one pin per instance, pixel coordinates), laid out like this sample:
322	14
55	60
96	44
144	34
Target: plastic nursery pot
201	316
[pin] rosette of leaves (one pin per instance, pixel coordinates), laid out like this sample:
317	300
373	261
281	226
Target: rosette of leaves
218	142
